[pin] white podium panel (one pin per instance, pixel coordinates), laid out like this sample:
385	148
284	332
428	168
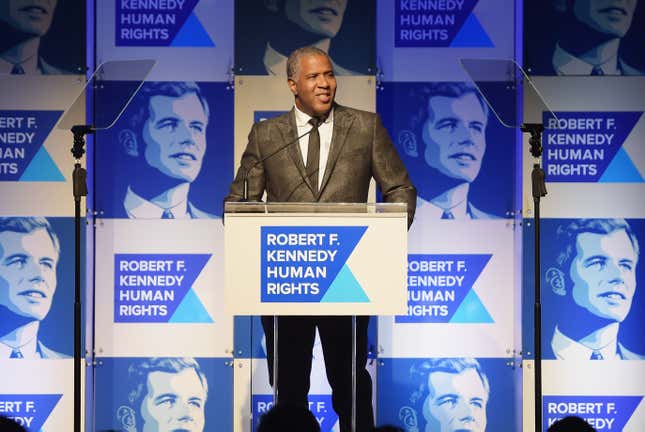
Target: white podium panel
325	263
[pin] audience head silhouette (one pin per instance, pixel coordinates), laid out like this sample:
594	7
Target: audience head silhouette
288	418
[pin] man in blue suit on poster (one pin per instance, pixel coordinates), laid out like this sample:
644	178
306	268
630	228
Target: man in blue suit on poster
29	252
451	393
164	394
164	139
454	117
292	24
23	23
590	35
594	281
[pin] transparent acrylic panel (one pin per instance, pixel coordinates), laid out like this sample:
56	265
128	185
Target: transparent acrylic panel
502	83
117	81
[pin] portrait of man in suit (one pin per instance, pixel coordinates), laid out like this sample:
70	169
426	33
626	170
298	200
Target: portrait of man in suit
589	37
452	395
453	118
22	25
593	281
291	24
340	151
164	140
29	255
164	394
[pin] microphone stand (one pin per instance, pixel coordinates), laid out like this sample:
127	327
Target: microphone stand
538	188
79	178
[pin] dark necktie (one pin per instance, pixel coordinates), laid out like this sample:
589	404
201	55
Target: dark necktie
313	154
17	69
167	214
447	214
597	70
15	353
596	355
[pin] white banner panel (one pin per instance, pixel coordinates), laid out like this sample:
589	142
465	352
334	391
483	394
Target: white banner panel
608	395
36	164
460	292
38	394
595	160
159	286
190	40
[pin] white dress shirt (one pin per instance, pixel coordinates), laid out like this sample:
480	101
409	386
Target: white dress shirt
566	348
565	63
276	64
140	208
325	131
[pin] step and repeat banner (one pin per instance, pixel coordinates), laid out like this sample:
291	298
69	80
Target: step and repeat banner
589	69
42	72
162	350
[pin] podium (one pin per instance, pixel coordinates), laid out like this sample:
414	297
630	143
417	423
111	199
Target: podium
312	259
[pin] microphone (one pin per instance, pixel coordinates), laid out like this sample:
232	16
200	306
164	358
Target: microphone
245	187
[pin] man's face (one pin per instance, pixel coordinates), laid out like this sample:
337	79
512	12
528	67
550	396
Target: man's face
314	85
455	136
175	402
175	136
457	402
323	17
604	274
612	17
33	17
27	273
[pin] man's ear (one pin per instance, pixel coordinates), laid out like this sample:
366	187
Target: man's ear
557	280
127	418
408	141
128	140
292	87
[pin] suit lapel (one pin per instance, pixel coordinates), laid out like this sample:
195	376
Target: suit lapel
342	124
289	132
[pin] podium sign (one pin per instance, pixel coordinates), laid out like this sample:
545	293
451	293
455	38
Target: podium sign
315	259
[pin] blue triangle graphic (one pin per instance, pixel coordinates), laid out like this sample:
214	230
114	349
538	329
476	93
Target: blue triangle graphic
191	310
471	310
192	34
621	170
345	289
472	34
42	168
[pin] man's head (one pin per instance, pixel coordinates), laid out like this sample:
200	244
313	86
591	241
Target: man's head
167	129
29	252
455	392
311	79
454	129
610	17
320	17
31	17
596	265
166	394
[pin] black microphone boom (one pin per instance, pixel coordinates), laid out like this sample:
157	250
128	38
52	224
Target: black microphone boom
245	188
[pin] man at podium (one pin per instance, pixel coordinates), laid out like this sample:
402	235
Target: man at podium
321	152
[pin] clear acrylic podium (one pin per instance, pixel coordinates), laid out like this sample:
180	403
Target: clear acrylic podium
315	259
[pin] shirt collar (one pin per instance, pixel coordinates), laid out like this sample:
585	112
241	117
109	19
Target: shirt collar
565	63
28	350
433	211
31	66
566	348
140	208
302	119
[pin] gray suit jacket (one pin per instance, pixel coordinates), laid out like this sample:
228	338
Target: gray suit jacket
360	149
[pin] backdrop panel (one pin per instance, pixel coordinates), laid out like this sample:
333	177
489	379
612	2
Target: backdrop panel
190	39
162	293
